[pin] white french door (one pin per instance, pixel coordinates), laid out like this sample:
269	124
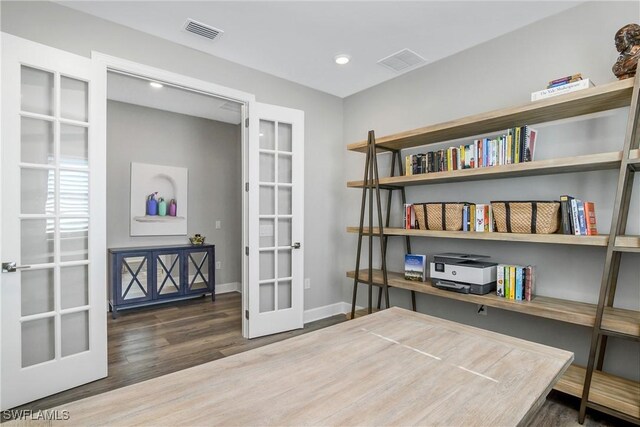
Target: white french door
52	287
276	210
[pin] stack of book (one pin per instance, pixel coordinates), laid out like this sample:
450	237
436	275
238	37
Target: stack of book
515	282
517	145
478	218
561	86
578	217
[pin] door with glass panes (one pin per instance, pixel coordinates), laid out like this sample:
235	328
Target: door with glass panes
52	287
276	198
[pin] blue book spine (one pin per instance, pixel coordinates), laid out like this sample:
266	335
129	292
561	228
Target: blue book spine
519	287
465	217
581	218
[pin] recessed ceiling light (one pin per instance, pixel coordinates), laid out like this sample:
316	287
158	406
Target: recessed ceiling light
155	85
342	59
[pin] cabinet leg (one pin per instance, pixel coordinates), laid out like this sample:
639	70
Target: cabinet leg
114	313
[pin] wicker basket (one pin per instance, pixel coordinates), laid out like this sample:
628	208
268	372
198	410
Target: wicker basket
439	216
535	217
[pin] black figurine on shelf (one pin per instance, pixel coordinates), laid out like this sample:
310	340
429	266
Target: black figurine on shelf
627	41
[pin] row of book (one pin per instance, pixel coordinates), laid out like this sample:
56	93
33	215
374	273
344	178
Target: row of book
475	217
515	282
578	217
517	145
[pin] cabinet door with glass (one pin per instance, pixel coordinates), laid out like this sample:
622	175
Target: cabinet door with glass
199	270
134	283
168	276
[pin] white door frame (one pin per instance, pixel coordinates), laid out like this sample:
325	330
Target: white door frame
108	62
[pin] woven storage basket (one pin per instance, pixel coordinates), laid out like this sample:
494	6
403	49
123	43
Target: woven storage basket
527	217
439	216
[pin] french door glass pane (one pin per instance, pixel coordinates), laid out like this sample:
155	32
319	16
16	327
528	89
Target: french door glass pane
74	239
284	200
267	135
36	141
36	242
36	91
74	146
74	283
267	238
267	297
284	169
36	291
74	192
37	191
38	341
284	263
284	232
267	265
267	200
75	332
74	97
284	294
284	137
267	167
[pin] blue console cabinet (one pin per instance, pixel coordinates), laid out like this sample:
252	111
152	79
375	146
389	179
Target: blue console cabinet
143	276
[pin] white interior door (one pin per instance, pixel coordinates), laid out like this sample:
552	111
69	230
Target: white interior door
52	290
276	203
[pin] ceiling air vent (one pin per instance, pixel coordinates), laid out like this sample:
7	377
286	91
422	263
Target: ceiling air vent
202	30
402	60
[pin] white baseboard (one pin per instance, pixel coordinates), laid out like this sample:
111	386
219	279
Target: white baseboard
318	313
224	288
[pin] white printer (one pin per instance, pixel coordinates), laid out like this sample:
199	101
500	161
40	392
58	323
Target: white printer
463	273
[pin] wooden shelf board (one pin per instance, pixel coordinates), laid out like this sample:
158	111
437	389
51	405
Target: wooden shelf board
607	390
608	96
578	313
589	162
559	239
628	243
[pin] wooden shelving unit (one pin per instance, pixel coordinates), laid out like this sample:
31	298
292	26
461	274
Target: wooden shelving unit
593	100
556	239
597	389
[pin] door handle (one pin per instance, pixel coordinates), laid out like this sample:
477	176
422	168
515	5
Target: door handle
10	267
296	245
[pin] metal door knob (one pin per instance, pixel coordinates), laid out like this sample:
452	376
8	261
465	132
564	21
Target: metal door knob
296	245
10	267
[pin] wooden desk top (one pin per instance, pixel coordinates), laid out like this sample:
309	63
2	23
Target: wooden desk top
394	367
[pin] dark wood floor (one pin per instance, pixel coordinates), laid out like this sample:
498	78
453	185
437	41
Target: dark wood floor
147	343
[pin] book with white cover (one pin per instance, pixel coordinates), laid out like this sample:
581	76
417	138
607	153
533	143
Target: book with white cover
561	90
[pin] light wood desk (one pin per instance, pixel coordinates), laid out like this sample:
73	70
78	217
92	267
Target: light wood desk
394	367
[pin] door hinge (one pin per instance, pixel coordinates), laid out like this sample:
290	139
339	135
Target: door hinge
246	122
246	314
246	250
246	187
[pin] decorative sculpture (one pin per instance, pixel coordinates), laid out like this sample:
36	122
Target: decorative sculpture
627	41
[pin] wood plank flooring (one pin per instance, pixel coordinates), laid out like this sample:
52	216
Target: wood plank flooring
147	343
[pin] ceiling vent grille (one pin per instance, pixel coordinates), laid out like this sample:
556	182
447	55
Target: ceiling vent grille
402	60
202	30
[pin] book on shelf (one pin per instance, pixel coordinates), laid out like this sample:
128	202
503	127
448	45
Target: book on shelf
574	217
590	218
415	267
409	220
565	80
515	282
581	218
562	89
566	214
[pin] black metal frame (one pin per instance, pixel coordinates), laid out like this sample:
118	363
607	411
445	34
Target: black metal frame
612	261
371	182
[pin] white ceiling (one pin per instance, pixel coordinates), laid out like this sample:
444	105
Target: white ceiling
298	40
137	91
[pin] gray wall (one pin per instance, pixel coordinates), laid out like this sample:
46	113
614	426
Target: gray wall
501	73
76	32
211	152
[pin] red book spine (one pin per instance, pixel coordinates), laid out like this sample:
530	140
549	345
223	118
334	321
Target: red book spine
590	218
